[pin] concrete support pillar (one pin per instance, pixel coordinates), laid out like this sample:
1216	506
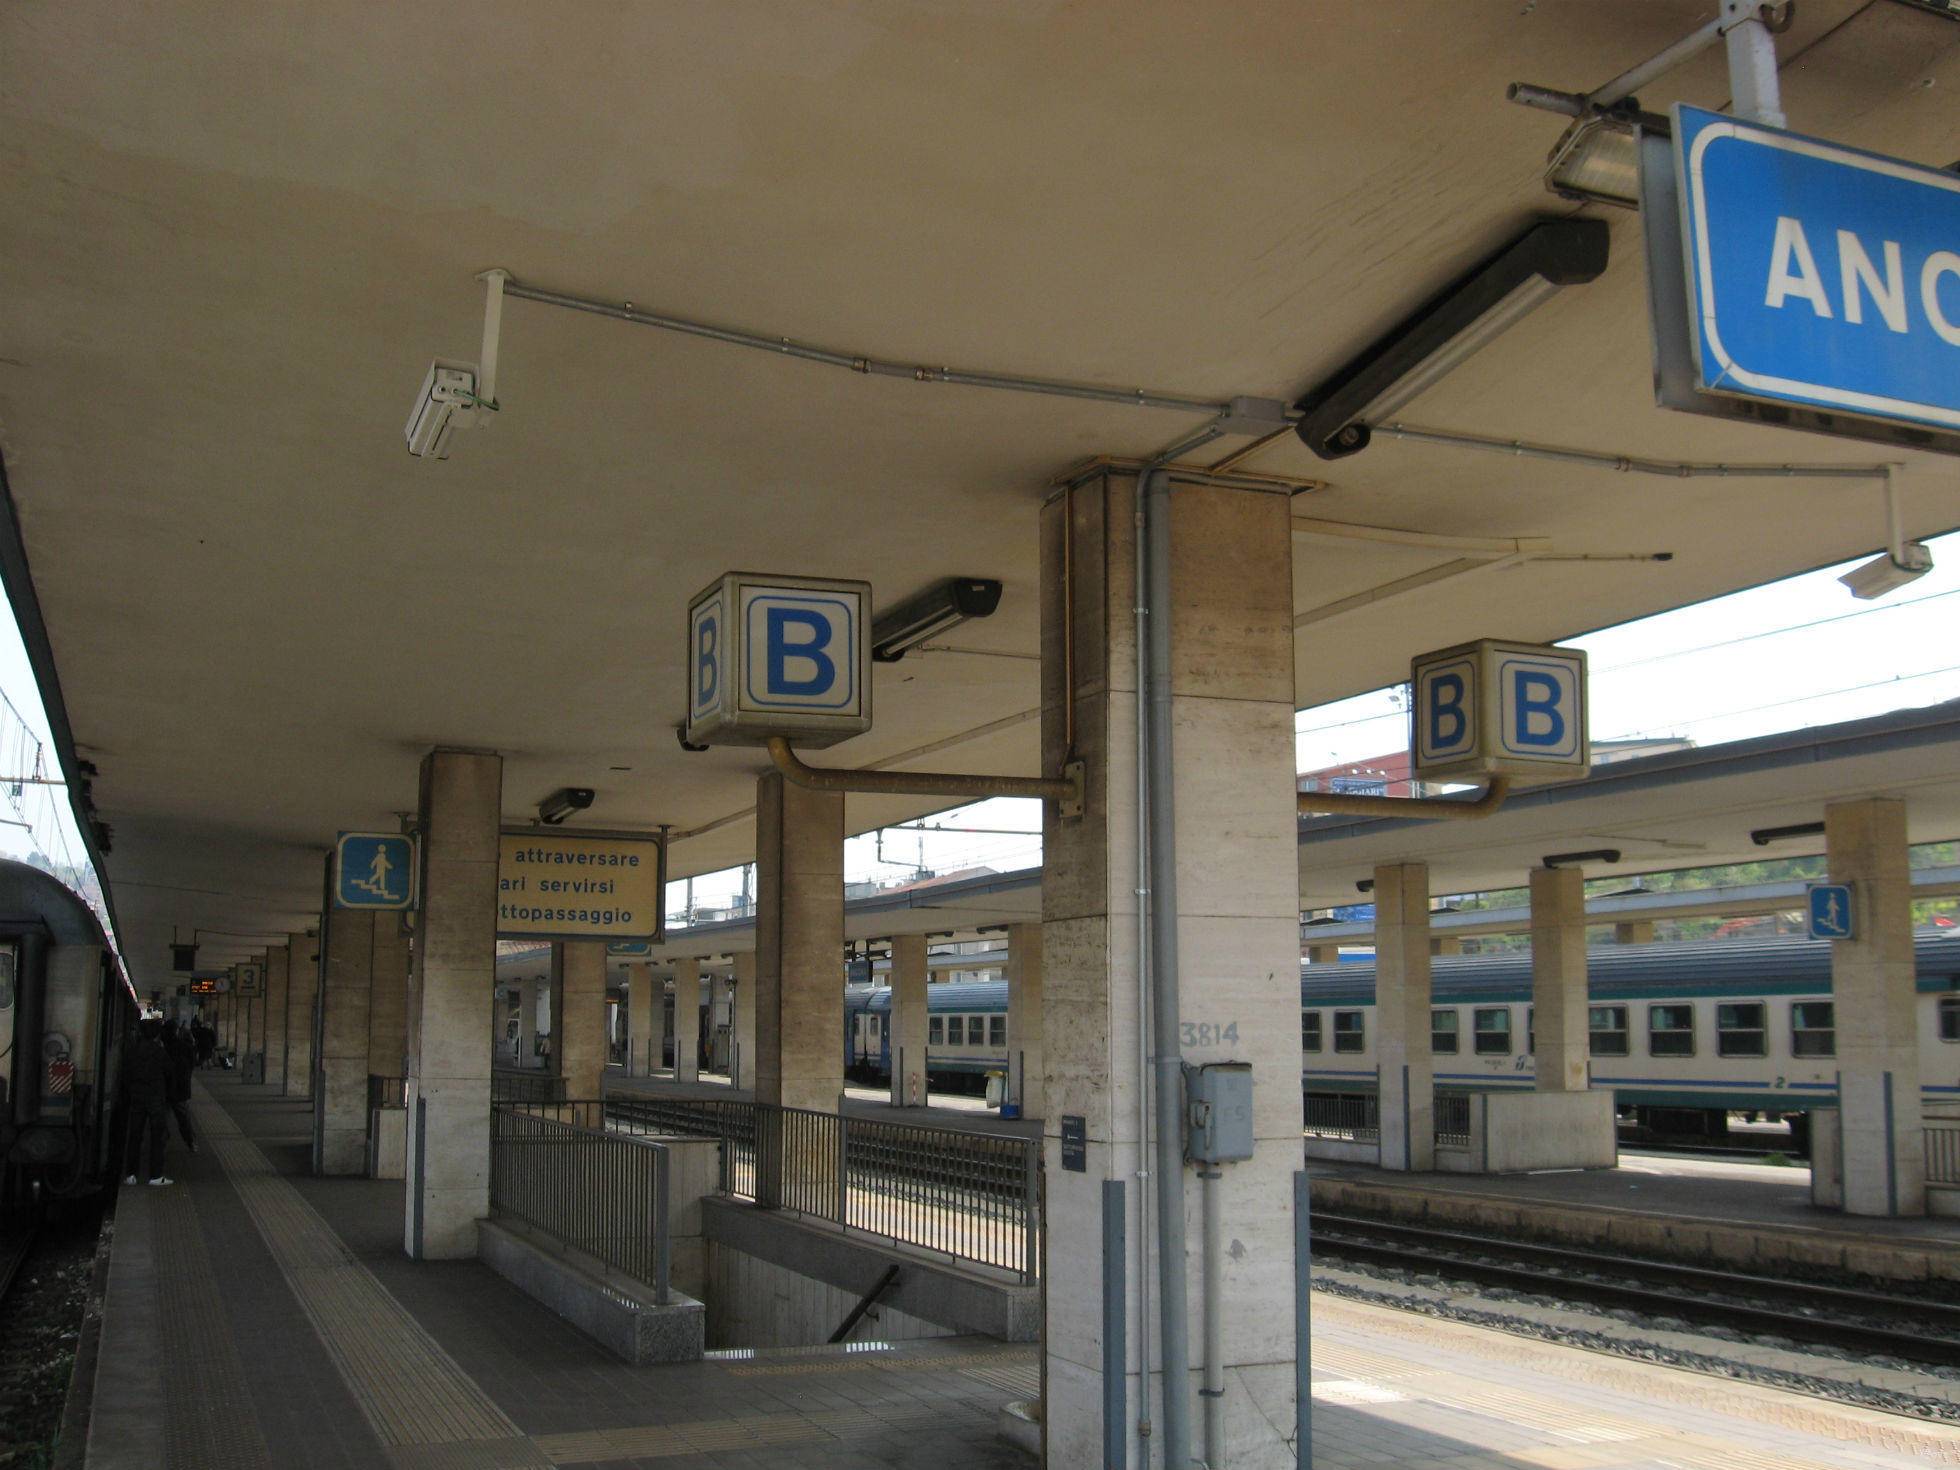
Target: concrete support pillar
744	1058
578	1016
720	1022
1027	1065
1323	954
527	1022
1406	1069
1232	769
302	989
908	1020
1872	987
1634	931
449	988
388	999
346	999
799	996
255	1014
1444	944
645	1012
687	1020
275	1018
1558	979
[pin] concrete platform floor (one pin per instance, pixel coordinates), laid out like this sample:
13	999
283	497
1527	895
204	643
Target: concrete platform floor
260	1317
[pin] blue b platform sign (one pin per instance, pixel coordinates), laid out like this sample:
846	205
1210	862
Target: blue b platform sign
1819	277
778	656
374	870
1830	911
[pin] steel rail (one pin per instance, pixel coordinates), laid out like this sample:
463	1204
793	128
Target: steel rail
1537	1270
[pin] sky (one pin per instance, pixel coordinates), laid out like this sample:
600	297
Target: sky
1791	654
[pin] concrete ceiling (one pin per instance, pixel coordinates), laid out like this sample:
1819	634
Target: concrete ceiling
235	235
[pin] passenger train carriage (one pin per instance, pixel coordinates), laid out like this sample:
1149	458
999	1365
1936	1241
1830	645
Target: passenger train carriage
1692	1030
966	1030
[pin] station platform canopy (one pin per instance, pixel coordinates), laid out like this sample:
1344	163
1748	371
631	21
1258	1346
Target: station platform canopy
235	238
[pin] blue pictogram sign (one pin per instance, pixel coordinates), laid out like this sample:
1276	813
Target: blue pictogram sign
1830	911
374	870
1819	275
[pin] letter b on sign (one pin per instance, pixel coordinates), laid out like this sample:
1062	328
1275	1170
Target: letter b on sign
1499	709
771	656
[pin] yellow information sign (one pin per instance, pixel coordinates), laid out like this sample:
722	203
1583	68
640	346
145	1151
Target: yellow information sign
577	887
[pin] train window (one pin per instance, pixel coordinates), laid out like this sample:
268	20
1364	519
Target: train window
956	1030
1671	1031
997	1031
936	1031
1741	1029
1310	1031
1350	1031
1813	1029
1607	1030
1950	1018
1491	1029
1442	1032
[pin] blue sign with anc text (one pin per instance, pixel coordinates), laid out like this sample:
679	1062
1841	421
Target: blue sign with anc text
1818	274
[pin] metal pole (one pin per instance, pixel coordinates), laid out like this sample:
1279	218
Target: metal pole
1302	1319
1753	89
1115	1333
1213	1391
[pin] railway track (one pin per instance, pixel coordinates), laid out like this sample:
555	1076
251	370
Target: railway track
1805	1313
16	1245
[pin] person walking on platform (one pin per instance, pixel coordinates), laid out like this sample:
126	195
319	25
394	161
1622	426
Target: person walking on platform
181	1053
146	1086
206	1037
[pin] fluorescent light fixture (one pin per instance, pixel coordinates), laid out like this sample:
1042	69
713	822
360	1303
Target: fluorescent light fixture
1574	859
562	803
1448	329
1904	561
1597	161
940	607
1764	836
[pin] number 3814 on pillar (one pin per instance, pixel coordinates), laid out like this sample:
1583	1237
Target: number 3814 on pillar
1492	708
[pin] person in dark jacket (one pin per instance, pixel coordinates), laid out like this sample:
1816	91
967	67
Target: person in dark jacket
181	1052
146	1088
206	1037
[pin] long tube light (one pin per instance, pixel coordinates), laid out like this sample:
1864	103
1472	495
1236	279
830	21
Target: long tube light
1441	334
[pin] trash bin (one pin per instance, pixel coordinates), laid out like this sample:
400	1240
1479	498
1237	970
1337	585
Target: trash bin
996	1088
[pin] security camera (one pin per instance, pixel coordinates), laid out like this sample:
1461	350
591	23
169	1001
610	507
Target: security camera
562	803
447	402
1888	573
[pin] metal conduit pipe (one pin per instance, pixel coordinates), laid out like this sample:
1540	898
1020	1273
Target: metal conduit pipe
1414	808
1627	464
1167	1060
1066	788
1213	1247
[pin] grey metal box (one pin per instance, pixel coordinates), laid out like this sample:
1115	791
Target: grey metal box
1218	1111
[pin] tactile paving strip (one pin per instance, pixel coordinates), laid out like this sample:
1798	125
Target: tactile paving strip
208	1419
422	1405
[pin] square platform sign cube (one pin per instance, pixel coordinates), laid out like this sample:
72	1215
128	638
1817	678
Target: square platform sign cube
772	655
1492	708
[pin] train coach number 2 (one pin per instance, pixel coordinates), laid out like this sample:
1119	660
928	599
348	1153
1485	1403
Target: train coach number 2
1208	1033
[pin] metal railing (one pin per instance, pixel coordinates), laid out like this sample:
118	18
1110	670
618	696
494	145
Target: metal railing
1942	1150
1352	1116
962	1193
1452	1120
522	1086
387	1092
589	1187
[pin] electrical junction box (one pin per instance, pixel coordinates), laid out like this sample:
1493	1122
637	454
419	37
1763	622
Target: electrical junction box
1218	1112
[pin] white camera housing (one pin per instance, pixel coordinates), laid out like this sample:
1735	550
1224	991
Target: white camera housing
447	402
1883	574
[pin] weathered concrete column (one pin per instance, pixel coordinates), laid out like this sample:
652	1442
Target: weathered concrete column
745	1020
799	995
302	989
644	1009
1445	944
1558	979
275	1018
1405	1066
687	1020
720	1022
255	1013
908	1020
1873	981
450	987
1231	678
388	998
578	1016
1027	1064
1323	954
1634	931
346	998
527	1022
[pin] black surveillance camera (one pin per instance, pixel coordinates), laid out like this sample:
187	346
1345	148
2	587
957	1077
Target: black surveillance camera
562	803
